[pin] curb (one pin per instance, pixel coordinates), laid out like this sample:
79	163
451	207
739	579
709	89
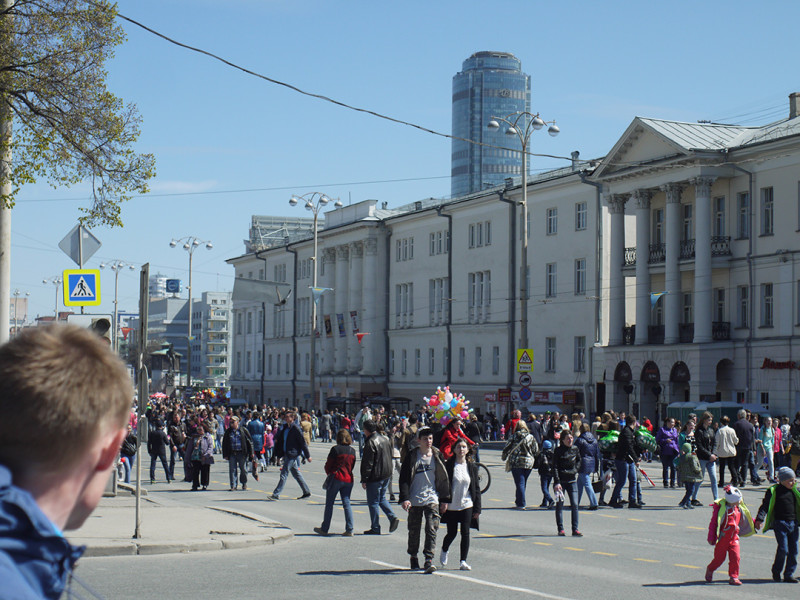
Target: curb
133	547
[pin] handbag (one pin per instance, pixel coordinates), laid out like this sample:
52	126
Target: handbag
327	483
513	450
597	484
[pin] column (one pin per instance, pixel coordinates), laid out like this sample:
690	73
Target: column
616	292
372	318
356	267
643	307
341	303
326	307
672	273
702	259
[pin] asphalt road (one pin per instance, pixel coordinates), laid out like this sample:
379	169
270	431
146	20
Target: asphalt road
658	552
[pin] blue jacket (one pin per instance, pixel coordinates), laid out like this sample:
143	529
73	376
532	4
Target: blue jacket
35	559
256	429
590	453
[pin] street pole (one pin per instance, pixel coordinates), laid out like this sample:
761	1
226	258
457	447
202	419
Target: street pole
117	265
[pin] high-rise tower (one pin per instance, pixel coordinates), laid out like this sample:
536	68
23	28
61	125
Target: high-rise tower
489	84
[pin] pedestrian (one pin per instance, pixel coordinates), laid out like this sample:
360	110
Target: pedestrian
424	492
745	433
128	452
256	428
451	433
566	464
177	445
780	511
519	454
339	469
690	473
590	464
201	450
465	501
767	437
376	473
237	449
544	464
325	425
667	440
157	442
627	465
290	445
726	451
706	448
64	405
730	519
397	436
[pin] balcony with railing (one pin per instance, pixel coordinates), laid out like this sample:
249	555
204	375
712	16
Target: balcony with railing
720	331
720	246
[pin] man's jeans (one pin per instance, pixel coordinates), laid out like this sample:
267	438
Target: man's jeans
415	513
545	480
163	458
585	483
237	460
711	468
625	469
520	481
343	489
293	465
570	489
376	497
786	536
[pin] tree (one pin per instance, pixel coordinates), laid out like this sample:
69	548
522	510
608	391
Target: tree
67	126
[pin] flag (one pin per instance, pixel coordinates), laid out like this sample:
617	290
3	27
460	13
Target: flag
654	296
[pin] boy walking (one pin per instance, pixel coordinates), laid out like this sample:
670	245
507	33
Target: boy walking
730	519
424	491
780	511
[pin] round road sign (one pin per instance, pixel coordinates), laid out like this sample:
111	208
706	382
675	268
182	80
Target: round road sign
525	379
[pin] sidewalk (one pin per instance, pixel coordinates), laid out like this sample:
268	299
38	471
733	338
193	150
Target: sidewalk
168	527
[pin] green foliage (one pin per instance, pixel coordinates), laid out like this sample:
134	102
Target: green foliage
67	127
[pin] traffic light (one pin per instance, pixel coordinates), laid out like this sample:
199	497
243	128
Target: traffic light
100	324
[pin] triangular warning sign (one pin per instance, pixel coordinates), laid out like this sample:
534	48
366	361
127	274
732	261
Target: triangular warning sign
81	290
525	359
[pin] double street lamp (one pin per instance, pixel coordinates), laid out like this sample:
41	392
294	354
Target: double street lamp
116	266
190	244
57	281
314	202
522	124
17	294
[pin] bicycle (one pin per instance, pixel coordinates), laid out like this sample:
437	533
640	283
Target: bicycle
484	477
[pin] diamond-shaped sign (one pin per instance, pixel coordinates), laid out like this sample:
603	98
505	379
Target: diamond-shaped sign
79	244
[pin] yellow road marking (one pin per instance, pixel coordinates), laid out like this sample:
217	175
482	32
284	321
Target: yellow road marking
542	544
610	516
495	500
637	520
574	549
687	566
647	560
667	524
697	528
605	553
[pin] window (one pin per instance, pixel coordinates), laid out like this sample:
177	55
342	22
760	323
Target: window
765	400
248	362
239	362
580	276
259	362
480	234
719	304
658	226
431	361
404	305
580	354
462	355
260	323
719	216
688	316
688	228
743	215
495	360
766	305
479	294
238	323
552	221
287	363
277	364
433	244
743	295
580	216
550	354
478	355
417	361
438	292
308	363
404	249
249	322
767	227
445	361
269	364
403	362
551	280
391	362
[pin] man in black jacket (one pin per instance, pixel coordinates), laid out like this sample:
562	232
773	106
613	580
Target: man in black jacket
627	464
376	472
291	445
746	433
237	449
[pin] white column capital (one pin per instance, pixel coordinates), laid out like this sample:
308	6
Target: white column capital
702	185
371	245
342	252
642	198
616	203
673	192
329	255
357	249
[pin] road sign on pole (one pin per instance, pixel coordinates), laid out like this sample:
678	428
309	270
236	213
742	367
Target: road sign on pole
82	287
524	360
79	244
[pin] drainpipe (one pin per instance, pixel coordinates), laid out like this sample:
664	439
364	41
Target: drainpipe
751	291
387	308
512	278
599	263
263	331
294	324
449	217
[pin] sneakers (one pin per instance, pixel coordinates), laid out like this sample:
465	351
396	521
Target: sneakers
391	498
274	496
429	567
464	566
372	532
577	533
709	575
348	533
635	505
414	563
320	531
394	524
305	495
734	581
696	502
443	558
615	504
561	533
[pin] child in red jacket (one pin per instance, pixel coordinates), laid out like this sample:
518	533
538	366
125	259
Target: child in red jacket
729	519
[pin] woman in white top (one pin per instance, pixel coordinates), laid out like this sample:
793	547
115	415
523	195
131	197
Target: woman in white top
465	505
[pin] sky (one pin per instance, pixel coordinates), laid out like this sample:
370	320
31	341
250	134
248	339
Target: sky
229	145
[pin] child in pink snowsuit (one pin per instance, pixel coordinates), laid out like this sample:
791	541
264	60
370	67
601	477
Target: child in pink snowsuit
729	518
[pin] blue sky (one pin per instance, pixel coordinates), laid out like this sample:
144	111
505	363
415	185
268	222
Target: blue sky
229	145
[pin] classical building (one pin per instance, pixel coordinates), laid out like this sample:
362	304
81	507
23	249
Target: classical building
490	84
703	280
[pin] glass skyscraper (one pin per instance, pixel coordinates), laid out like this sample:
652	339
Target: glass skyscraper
489	84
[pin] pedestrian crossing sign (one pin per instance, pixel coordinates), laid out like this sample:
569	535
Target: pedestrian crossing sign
82	287
524	360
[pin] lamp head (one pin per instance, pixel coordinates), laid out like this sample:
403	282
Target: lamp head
553	130
173	243
537	123
293	200
102	265
309	205
209	245
511	131
195	242
338	203
186	246
324	199
493	124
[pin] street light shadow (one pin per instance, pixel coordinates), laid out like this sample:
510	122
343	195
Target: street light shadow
359	572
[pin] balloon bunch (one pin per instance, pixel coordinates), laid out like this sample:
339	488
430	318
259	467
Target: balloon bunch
446	406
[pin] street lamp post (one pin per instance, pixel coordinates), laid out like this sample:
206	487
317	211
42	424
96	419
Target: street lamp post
116	266
523	124
17	294
313	201
57	281
190	244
